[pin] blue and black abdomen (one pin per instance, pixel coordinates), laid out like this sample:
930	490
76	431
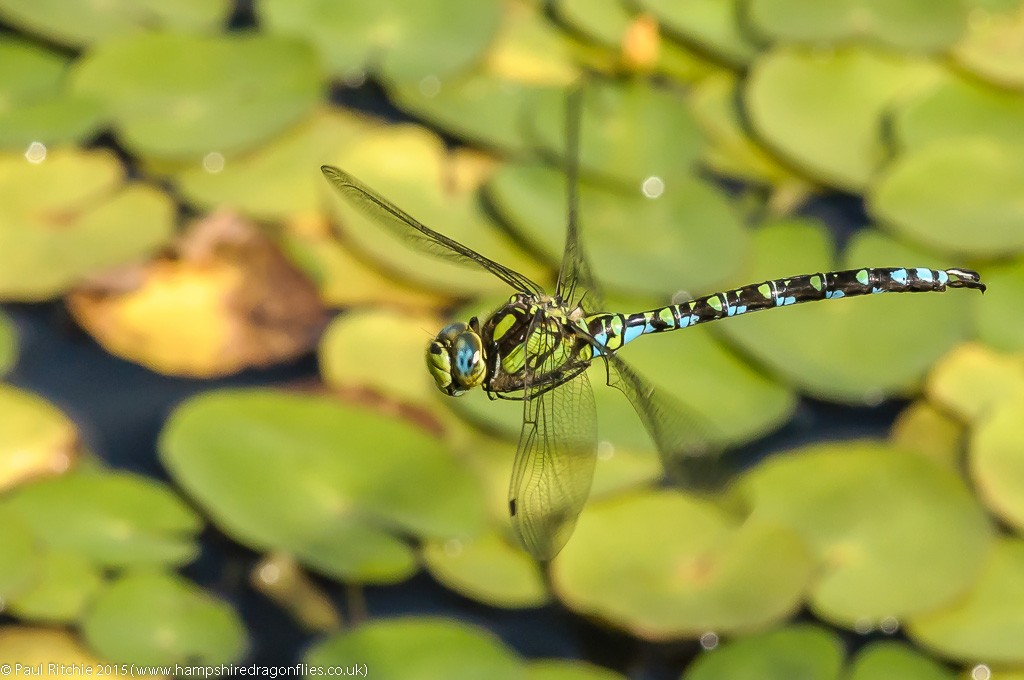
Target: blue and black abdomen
614	330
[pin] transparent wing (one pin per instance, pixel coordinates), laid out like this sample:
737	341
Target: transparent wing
688	444
383	211
554	464
575	277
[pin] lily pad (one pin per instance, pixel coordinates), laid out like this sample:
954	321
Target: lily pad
997	465
918	25
993	48
419	648
712	26
399	39
822	111
986	624
1006	291
8	344
568	670
408	166
488	569
687	237
629	132
530	49
19	555
887	660
957	196
180	97
972	380
874	515
959	107
35	106
279	180
325	482
699	571
115	519
793	653
34	646
822	348
36	438
63	585
153	617
930	432
70	216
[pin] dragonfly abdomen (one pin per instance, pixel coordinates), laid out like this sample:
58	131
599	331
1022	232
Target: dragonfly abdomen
611	331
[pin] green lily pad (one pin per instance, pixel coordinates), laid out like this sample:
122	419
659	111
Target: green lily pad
180	97
957	196
325	482
568	670
689	237
997	466
993	48
419	648
972	381
8	344
823	112
929	432
794	653
874	515
408	166
160	618
479	107
822	348
699	571
79	23
279	180
115	519
35	107
19	555
70	216
63	585
399	39
958	107
887	660
919	25
629	132
36	438
1006	291
488	569
986	624
710	25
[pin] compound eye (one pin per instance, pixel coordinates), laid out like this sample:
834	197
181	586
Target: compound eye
467	359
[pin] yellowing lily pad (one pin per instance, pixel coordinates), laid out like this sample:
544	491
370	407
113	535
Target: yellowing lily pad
179	97
114	519
972	381
921	25
410	648
399	39
930	432
530	49
488	569
228	300
895	535
36	439
889	660
821	347
34	646
993	48
712	26
1006	291
409	167
79	23
568	670
69	216
797	652
35	106
663	565
822	110
327	483
154	617
986	624
997	460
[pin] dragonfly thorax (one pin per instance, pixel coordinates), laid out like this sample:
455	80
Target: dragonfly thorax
455	358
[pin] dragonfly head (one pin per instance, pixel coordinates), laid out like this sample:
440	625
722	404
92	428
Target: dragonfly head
456	358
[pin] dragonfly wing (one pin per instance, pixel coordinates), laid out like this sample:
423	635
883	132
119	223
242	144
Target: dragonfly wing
554	464
688	444
381	210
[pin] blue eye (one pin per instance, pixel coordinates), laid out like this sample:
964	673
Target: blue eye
466	355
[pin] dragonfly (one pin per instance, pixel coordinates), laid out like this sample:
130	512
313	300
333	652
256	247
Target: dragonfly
536	348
